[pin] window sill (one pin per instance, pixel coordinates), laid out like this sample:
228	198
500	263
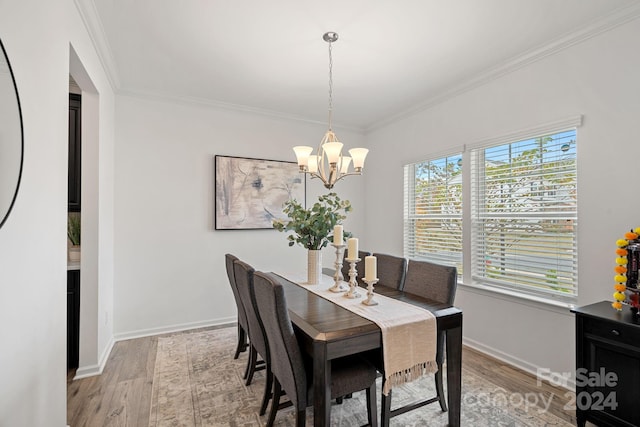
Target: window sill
562	307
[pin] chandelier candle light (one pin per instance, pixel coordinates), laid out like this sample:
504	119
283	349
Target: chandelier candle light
328	164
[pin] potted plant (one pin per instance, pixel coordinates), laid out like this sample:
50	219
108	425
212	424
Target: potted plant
73	233
312	227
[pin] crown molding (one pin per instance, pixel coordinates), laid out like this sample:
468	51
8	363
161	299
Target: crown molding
93	24
209	103
610	21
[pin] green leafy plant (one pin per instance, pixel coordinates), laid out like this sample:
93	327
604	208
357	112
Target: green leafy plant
73	229
311	227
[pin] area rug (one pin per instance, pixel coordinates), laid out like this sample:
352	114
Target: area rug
198	383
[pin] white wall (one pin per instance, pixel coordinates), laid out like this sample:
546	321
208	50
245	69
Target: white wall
597	78
37	36
170	271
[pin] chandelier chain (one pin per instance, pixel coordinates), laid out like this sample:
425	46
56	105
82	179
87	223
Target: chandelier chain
330	85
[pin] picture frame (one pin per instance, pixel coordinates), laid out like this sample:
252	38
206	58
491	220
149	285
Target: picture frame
250	193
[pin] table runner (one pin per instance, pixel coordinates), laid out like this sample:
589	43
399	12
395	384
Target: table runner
408	332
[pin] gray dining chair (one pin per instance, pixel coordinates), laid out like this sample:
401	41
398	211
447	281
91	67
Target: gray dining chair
359	266
244	274
438	283
291	371
242	316
391	270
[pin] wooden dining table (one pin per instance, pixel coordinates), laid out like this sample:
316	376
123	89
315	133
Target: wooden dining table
327	331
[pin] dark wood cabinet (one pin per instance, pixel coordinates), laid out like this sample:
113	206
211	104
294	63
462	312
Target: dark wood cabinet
73	318
607	366
74	152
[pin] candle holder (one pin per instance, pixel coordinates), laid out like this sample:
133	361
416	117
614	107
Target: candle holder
338	279
353	283
369	300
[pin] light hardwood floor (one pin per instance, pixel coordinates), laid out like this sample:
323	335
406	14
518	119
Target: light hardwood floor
121	396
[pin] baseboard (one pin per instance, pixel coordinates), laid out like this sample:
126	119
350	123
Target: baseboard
512	360
92	370
174	328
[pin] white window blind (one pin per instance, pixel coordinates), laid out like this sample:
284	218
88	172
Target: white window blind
433	211
524	215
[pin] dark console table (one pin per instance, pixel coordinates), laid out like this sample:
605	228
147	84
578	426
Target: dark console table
607	366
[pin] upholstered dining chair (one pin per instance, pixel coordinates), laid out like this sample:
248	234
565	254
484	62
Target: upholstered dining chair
292	372
391	270
436	282
359	266
242	316
257	339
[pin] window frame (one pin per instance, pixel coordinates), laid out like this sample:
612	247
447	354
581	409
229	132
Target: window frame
410	207
469	278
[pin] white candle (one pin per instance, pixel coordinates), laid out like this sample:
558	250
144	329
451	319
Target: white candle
370	268
352	246
337	235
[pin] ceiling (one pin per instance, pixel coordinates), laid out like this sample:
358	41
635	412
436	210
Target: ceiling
391	57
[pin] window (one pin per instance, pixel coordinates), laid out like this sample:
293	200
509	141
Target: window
521	213
524	215
433	211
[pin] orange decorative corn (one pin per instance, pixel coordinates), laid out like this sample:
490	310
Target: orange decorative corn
620	269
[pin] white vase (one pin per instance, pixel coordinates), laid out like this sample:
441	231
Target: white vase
74	253
314	266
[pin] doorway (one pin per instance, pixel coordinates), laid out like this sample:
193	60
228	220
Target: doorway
91	322
74	216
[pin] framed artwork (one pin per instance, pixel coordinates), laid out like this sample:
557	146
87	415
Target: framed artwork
250	193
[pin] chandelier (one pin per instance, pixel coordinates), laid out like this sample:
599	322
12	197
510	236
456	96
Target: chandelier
329	164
